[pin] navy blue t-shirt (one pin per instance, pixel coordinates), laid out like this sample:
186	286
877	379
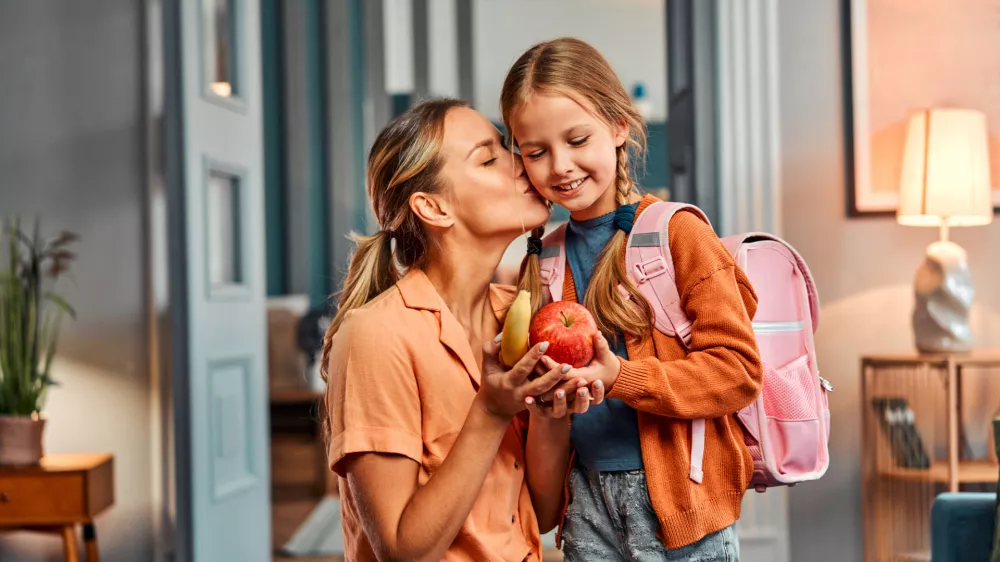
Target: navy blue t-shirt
606	438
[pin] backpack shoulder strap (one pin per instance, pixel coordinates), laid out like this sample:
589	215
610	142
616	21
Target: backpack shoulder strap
736	246
552	263
651	267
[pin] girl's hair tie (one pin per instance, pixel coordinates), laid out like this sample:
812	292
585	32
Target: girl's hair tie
534	245
624	217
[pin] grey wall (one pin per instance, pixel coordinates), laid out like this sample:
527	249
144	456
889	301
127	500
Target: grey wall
864	270
71	152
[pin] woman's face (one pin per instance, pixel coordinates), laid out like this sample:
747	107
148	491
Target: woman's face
485	183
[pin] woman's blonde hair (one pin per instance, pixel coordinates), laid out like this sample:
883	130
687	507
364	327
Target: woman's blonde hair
572	68
404	159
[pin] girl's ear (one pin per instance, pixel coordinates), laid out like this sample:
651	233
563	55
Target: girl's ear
621	134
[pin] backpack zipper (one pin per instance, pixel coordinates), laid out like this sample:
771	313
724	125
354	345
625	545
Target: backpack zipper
777	327
781	327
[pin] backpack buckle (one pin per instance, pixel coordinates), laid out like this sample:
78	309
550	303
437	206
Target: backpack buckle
651	268
546	275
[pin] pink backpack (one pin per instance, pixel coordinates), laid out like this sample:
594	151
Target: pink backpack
787	428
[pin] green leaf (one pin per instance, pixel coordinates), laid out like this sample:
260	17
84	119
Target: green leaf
30	316
61	303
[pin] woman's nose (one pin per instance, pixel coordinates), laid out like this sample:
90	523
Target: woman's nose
518	166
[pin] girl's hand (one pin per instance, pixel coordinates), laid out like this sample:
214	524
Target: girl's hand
603	368
502	392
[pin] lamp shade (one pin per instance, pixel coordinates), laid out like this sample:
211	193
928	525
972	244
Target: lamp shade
945	180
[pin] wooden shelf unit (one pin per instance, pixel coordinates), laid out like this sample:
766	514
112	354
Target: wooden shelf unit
901	476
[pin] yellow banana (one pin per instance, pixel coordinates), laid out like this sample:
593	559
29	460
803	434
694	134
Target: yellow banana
514	343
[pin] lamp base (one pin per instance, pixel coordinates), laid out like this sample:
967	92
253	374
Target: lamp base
943	292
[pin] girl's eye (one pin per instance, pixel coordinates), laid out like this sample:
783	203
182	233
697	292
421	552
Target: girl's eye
536	155
579	141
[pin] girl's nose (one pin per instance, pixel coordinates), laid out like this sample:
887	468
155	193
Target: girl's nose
561	164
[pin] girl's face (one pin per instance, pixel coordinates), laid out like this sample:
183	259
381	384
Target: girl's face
569	153
488	191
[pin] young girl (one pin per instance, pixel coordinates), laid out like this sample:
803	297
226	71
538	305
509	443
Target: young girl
427	434
632	494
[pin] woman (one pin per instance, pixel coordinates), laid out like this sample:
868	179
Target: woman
436	456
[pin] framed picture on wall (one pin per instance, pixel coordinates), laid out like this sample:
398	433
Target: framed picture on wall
900	57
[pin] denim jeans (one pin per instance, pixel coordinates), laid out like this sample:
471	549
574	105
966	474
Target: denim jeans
610	518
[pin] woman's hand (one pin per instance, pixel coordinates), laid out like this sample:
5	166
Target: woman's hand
573	396
503	393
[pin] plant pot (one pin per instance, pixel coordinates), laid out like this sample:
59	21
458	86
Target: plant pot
21	440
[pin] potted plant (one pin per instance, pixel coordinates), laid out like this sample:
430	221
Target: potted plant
30	317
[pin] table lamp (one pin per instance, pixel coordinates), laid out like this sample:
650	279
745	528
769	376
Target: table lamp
945	182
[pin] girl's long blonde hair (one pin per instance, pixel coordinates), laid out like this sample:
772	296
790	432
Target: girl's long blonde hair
572	68
404	159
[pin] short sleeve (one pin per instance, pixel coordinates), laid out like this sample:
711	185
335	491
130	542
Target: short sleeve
372	399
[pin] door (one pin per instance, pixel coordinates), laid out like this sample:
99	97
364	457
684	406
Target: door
217	279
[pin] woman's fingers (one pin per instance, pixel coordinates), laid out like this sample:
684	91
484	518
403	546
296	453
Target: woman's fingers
559	404
546	382
582	403
519	373
597	392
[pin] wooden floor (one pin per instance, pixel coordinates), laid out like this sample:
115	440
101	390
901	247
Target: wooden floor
285	519
287	516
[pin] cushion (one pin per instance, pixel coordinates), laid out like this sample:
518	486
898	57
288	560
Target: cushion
996	508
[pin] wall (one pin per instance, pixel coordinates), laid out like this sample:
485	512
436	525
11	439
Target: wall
955	70
71	152
630	33
863	267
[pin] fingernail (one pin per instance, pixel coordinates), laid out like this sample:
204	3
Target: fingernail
598	384
582	393
561	394
529	401
565	369
581	382
544	346
497	339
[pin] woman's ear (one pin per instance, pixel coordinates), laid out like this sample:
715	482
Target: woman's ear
431	209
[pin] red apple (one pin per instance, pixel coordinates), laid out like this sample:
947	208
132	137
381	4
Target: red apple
569	328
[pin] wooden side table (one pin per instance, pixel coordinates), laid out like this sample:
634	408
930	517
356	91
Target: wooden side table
58	494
